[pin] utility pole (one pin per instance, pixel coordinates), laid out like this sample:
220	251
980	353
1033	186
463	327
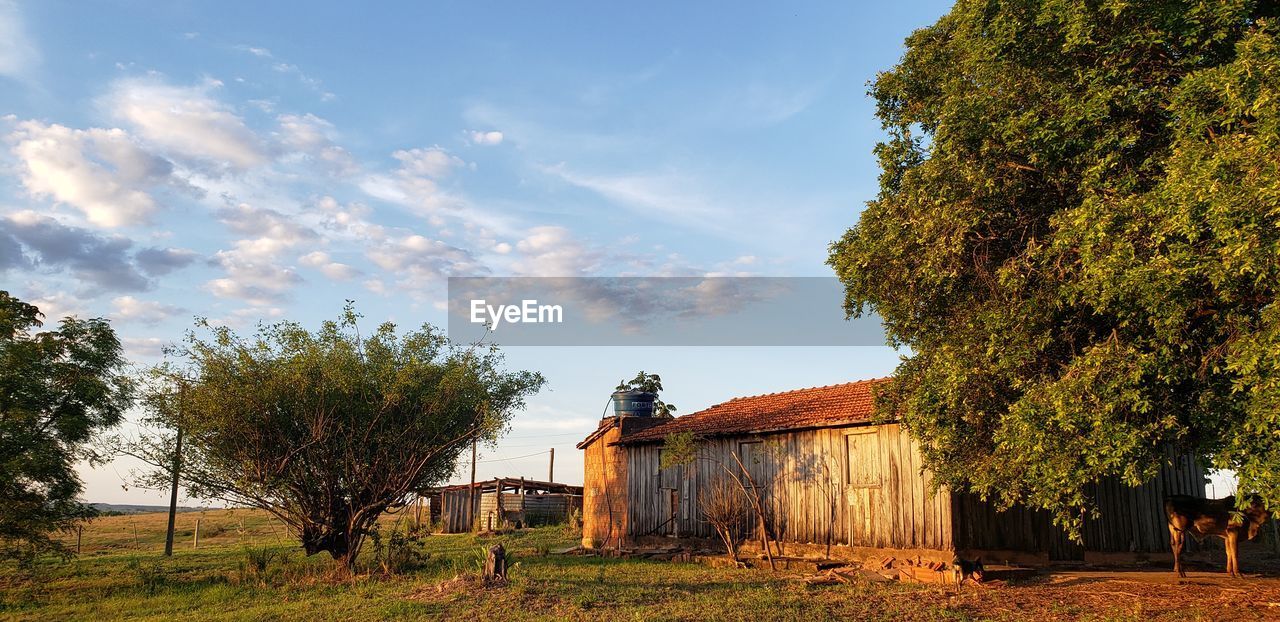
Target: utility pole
471	492
173	495
551	468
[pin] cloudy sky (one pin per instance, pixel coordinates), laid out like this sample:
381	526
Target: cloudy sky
248	161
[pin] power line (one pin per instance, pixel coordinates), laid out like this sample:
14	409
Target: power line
513	457
524	445
546	435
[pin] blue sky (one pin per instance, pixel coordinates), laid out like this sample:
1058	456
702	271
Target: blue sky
257	161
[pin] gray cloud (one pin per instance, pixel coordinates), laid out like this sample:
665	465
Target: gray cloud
11	252
160	261
103	262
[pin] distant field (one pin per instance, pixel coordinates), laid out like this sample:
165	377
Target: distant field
138	509
121	577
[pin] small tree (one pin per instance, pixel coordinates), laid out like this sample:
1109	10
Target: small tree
682	448
724	507
325	430
650	383
57	390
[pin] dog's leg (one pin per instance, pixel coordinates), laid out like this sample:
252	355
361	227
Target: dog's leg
1176	538
1233	552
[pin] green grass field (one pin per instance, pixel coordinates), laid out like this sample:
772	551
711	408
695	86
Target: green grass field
120	577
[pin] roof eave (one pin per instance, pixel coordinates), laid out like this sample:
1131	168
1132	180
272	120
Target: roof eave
836	424
591	438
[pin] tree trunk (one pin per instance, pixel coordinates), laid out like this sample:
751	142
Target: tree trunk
342	546
495	566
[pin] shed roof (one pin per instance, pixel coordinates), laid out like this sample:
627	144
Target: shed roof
512	483
817	407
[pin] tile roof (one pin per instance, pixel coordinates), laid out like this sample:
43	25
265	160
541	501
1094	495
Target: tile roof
816	407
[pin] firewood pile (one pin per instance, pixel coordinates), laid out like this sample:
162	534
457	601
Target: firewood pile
888	569
674	552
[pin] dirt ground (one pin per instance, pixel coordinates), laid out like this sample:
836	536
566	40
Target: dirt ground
1133	594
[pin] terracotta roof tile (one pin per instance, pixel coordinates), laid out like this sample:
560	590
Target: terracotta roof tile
851	402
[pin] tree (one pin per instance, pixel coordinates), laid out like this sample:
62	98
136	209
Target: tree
1077	236
325	430
681	449
57	390
724	507
650	383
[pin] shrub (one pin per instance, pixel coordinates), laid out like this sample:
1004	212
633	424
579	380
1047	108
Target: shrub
398	553
151	575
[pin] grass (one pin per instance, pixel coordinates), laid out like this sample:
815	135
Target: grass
257	573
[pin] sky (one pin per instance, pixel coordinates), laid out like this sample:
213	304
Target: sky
249	162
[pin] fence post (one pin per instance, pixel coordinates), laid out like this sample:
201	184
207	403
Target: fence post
195	541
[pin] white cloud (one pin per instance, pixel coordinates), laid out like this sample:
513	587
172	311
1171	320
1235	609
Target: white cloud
415	185
260	283
485	138
56	306
103	173
432	162
763	103
130	309
351	218
312	83
332	269
260	52
18	55
420	261
254	273
553	251
376	286
312	137
143	347
186	122
670	198
275	232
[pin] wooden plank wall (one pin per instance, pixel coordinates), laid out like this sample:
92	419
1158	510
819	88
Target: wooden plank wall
1132	518
808	477
455	516
530	509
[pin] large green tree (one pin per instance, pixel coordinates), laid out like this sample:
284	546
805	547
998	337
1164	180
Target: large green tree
58	389
327	430
1077	237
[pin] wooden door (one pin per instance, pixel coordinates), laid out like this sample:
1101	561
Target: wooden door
862	484
667	482
754	459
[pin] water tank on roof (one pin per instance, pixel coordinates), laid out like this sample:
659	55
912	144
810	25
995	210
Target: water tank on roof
633	403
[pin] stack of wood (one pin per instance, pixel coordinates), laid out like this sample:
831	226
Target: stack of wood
839	574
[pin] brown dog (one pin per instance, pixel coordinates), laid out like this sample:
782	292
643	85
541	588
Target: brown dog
1213	517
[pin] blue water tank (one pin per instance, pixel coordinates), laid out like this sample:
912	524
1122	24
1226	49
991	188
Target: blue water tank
633	403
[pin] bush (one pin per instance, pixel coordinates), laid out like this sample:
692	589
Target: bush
151	576
398	553
256	565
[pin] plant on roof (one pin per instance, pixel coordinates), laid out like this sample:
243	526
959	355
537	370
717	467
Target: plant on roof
650	383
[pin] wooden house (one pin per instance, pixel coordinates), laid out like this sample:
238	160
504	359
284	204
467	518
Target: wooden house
834	476
502	503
